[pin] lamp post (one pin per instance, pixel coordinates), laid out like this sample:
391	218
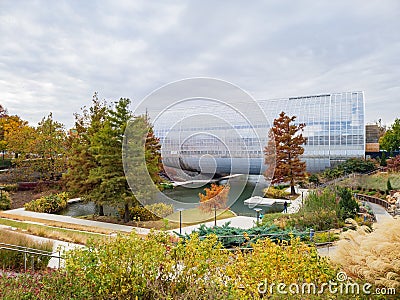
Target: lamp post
258	213
215	215
180	219
302	197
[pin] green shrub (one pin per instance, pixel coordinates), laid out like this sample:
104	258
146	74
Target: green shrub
320	200
314	179
237	237
389	186
348	205
5	201
48	204
352	165
12	260
320	211
322	219
325	237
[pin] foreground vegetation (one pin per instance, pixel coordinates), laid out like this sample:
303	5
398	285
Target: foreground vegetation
373	256
154	267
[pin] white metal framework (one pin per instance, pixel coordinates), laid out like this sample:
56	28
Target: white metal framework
216	138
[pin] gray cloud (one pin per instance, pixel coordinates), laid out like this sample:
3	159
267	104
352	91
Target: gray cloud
55	54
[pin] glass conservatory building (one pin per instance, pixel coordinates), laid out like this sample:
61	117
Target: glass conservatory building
205	136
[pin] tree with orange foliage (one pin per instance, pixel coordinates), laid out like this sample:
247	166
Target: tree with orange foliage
285	149
215	197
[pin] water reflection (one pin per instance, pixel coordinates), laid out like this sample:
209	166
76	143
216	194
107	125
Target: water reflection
191	195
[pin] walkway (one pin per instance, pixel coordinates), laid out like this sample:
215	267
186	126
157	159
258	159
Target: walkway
71	220
380	213
381	217
298	202
240	221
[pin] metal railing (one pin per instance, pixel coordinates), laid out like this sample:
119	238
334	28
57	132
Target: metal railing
372	199
32	252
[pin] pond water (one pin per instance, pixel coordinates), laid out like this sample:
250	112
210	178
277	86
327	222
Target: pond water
241	189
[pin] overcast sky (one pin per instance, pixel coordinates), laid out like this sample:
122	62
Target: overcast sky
55	54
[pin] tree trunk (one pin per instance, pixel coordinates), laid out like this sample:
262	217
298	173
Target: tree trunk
292	189
126	213
101	210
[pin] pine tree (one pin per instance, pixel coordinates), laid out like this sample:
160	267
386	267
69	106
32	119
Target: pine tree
142	160
80	157
383	159
153	153
108	178
284	150
348	205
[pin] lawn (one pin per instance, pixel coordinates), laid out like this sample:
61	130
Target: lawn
196	216
68	235
377	181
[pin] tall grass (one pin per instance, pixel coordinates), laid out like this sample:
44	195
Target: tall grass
15	260
376	181
372	256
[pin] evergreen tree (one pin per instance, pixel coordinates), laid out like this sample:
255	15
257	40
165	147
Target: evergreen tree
349	206
383	159
153	153
81	159
284	150
142	159
108	178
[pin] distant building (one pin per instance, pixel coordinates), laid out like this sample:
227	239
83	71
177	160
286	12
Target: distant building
371	138
335	131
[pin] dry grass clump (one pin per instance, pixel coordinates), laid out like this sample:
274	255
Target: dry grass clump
372	256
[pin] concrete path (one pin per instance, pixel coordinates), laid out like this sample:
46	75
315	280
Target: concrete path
298	202
239	222
381	217
381	214
71	220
